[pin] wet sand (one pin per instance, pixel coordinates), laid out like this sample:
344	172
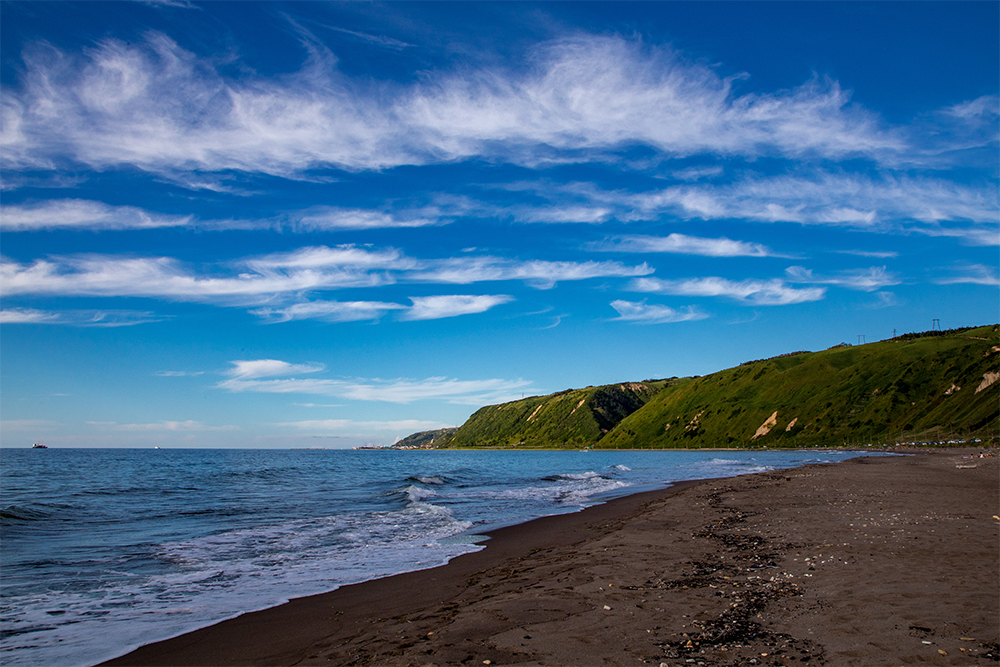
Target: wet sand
873	561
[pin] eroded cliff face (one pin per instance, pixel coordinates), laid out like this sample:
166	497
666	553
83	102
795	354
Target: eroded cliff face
613	403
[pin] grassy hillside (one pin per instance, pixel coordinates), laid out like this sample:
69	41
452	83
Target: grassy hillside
909	388
915	387
572	418
426	439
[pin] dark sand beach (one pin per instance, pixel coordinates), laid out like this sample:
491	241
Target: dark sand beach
874	561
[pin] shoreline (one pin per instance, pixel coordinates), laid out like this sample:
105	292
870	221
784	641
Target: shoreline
685	570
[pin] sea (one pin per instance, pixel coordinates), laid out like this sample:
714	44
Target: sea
103	550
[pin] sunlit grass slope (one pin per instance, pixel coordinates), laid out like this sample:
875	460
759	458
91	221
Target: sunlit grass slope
928	386
572	418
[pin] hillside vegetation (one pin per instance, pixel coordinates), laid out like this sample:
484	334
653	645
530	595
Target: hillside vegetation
572	418
425	439
931	386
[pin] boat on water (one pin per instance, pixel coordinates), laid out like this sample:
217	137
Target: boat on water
39	445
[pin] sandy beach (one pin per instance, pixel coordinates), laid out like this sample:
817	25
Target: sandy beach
874	561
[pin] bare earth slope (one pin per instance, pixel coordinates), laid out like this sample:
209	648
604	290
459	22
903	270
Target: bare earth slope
879	561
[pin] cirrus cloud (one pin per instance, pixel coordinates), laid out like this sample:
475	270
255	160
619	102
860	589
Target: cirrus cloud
464	392
83	214
154	105
755	292
642	313
450	305
684	245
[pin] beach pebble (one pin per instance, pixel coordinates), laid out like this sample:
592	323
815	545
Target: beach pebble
607	608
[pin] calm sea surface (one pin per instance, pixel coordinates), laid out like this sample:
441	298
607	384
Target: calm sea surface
104	550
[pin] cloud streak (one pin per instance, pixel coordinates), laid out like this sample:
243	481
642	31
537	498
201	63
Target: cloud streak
175	426
866	280
163	109
259	368
536	273
263	279
438	307
683	245
410	425
82	318
83	214
464	392
752	292
642	313
820	198
971	274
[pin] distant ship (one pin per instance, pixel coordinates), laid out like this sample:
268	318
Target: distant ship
39	445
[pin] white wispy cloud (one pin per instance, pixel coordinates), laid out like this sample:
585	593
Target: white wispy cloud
867	280
383	41
563	214
258	280
422	308
352	425
981	235
156	106
258	368
244	377
450	305
697	173
537	273
324	257
684	245
184	426
178	374
27	316
331	217
82	318
83	214
772	292
881	254
271	281
882	300
328	311
884	203
643	313
975	274
837	199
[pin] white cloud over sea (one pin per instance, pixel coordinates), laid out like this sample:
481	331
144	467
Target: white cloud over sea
245	377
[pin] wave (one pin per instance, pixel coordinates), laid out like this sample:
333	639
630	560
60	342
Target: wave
23	513
414	493
573	476
436	480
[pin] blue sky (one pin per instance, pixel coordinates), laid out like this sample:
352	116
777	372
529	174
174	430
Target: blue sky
324	225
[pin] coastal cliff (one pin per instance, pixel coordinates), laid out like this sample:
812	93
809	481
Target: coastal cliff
929	386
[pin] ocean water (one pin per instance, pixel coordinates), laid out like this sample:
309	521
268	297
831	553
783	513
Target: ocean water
103	550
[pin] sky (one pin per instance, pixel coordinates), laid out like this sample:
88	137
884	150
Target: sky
315	224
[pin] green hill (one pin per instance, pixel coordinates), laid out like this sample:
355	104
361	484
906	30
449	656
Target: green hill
426	439
571	418
929	386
